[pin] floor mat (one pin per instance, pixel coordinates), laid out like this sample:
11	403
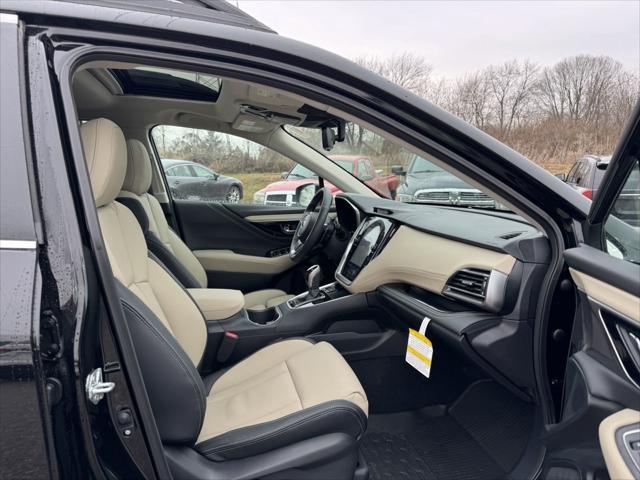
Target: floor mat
470	441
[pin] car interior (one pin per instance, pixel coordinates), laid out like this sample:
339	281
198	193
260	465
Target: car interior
274	352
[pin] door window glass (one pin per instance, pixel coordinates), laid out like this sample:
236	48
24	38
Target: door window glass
622	228
245	171
581	173
202	172
364	172
179	171
572	173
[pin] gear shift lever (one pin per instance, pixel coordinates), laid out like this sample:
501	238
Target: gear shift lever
313	276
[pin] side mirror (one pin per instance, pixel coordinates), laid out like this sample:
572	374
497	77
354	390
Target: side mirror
561	176
283	175
216	176
398	170
305	193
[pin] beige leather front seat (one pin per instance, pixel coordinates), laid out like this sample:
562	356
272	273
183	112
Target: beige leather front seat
289	392
165	243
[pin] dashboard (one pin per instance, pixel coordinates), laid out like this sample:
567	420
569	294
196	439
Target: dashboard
475	274
474	258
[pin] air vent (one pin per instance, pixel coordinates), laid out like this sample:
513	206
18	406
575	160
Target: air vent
469	282
482	288
509	236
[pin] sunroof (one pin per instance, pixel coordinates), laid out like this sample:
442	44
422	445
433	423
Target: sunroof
165	82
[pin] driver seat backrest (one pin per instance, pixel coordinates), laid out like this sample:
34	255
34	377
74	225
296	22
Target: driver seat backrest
163	241
167	327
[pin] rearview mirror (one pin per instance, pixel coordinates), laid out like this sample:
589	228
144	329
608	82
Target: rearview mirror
331	136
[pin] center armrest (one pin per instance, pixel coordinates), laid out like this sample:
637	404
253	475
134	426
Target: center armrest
217	303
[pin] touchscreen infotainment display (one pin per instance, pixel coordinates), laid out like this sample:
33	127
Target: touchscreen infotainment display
363	249
367	238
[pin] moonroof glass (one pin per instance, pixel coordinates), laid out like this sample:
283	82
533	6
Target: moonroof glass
165	82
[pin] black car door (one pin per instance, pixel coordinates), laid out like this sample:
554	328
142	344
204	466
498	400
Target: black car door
601	402
24	413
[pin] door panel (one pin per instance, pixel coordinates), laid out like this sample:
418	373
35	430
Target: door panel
242	246
620	442
607	295
230	261
607	327
601	374
603	368
610	281
277	219
217	226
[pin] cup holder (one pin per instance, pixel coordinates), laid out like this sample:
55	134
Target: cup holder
263	317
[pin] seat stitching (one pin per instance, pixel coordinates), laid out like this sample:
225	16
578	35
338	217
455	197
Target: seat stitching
230	446
261	418
161	336
295	387
268	417
133	270
255	353
261	376
226	447
194	384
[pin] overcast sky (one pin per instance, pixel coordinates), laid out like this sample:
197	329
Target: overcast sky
457	37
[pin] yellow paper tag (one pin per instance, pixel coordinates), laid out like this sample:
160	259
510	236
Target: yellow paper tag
419	349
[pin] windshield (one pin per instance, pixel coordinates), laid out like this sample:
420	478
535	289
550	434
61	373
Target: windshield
300	171
420	165
391	170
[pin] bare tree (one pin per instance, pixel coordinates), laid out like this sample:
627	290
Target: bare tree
626	93
579	88
439	92
471	99
510	88
406	69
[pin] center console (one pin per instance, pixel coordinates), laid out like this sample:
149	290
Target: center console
323	312
332	291
367	241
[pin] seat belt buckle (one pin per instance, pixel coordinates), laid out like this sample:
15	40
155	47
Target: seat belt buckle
227	346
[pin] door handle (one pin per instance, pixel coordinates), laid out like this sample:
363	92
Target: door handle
289	228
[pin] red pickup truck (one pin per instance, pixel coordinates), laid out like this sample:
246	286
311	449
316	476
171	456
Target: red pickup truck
284	191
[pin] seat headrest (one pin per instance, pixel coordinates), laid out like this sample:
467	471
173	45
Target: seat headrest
105	152
138	177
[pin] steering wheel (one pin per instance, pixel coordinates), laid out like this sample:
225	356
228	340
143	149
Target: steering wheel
311	225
